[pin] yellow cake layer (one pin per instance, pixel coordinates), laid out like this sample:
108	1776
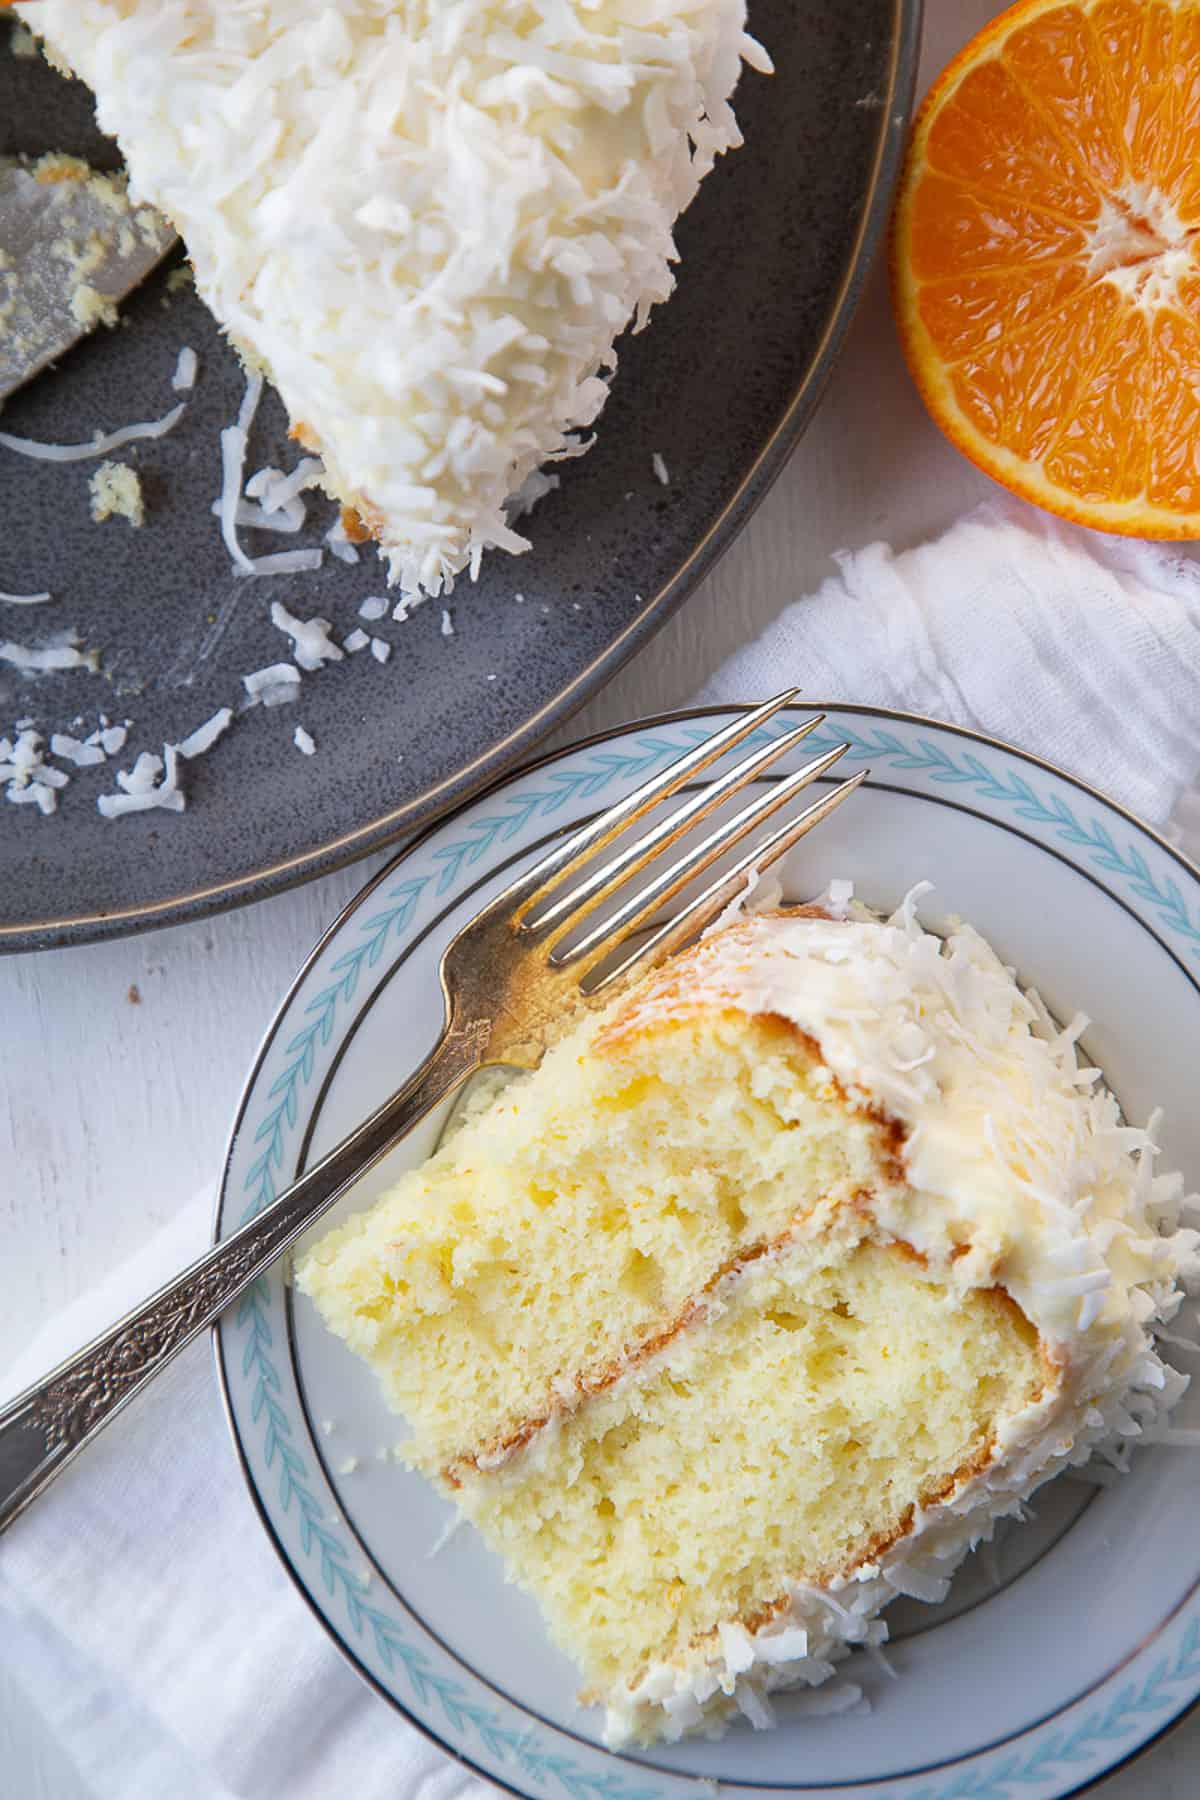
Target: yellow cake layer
784	1440
575	1220
715	1322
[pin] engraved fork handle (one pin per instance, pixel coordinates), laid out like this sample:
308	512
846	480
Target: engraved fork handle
46	1426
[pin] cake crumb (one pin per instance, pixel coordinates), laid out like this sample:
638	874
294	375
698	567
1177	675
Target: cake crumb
348	1465
328	1427
89	307
57	166
134	995
304	741
660	469
447	623
117	493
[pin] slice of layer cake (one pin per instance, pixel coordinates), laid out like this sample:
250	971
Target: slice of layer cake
777	1284
426	221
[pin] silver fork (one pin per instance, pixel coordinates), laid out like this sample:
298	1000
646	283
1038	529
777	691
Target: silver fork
506	975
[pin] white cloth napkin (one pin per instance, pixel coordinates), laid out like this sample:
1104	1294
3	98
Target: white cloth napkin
141	1606
1080	647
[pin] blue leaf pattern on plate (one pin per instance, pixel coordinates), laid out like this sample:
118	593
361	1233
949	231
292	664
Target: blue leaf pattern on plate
1056	1755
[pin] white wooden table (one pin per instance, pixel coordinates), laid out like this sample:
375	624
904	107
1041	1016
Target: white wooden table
123	1061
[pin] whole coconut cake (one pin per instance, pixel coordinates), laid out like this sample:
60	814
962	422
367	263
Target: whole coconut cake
781	1280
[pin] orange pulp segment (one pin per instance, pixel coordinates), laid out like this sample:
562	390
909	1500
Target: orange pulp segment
1046	259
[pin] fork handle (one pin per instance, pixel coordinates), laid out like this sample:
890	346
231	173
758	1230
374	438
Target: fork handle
44	1428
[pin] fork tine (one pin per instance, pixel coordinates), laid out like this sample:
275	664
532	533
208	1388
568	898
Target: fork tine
575	905
640	906
565	858
708	905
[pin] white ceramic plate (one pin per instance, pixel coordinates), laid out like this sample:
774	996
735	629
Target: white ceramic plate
1054	1661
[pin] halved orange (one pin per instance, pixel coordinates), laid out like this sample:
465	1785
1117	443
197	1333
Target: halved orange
1046	259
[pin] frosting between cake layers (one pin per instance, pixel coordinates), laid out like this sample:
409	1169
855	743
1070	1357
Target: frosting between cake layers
428	222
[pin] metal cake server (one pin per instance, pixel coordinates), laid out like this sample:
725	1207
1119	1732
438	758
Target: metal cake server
71	247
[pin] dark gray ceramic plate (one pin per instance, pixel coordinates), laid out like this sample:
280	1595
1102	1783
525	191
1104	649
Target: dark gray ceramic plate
774	253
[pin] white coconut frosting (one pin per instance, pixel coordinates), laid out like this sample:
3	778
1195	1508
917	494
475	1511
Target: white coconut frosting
427	221
1018	1172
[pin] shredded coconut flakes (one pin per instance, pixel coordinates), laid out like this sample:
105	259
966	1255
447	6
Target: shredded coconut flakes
441	322
184	378
29	779
63	653
206	735
339	544
311	642
71	750
274	685
142	790
100	445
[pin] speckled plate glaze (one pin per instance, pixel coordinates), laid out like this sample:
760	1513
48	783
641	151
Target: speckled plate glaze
774	253
1057	1658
